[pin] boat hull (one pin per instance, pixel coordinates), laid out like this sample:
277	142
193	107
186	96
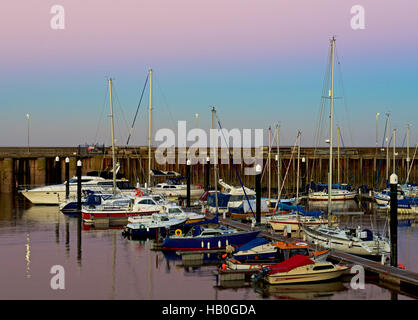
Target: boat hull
369	248
208	243
306	274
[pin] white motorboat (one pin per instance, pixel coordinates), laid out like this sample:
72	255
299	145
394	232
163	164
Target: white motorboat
120	208
177	190
54	194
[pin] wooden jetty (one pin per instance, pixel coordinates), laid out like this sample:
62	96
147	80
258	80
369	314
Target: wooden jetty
395	278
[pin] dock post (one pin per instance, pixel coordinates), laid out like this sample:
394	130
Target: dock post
79	185
57	170
188	163
394	220
258	194
67	178
207	172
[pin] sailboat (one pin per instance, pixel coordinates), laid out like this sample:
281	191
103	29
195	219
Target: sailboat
118	207
358	241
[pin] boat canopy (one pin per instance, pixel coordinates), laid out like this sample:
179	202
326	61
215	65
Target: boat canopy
322	186
222	200
284	206
252	244
290	264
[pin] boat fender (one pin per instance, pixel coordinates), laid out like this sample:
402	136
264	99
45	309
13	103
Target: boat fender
350	244
301	244
223	266
178	232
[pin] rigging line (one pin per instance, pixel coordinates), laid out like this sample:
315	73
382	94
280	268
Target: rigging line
339	68
318	132
159	87
412	162
348	162
103	110
269	152
137	109
121	109
285	177
235	167
380	160
403	144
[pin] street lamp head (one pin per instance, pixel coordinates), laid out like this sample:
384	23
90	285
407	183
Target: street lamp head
27	116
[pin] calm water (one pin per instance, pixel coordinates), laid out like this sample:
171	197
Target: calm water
101	264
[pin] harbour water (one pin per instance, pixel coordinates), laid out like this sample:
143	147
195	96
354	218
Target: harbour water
102	264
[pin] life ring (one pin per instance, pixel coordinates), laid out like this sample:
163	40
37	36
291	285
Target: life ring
139	192
178	232
334	218
141	227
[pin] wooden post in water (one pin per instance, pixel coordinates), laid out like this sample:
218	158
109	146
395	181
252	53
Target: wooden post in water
258	193
79	185
394	220
67	178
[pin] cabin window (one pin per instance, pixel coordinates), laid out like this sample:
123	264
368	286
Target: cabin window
326	267
303	252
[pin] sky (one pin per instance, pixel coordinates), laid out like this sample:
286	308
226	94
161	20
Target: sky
258	62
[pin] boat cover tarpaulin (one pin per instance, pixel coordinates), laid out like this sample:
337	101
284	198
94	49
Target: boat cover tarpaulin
283	206
252	244
296	261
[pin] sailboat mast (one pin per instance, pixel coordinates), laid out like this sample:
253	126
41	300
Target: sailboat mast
149	127
278	162
330	125
338	155
113	136
215	153
298	168
269	163
387	147
407	151
394	150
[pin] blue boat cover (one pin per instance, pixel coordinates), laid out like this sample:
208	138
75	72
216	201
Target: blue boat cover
252	244
283	206
222	200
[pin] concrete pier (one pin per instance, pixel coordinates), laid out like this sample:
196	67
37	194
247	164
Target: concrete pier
356	166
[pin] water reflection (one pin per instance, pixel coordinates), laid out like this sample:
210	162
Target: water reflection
104	265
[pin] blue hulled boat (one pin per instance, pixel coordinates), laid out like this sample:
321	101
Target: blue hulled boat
208	239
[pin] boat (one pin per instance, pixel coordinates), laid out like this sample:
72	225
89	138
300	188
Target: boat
171	188
54	194
261	250
279	222
173	211
355	241
242	201
300	269
383	198
339	192
119	208
204	238
159	224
